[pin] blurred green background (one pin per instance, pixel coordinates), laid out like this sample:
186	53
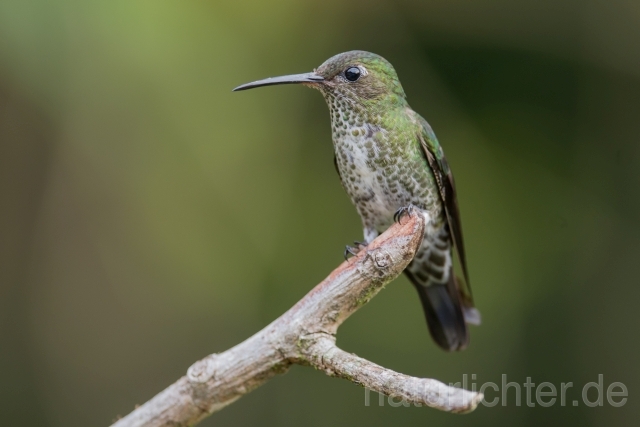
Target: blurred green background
149	216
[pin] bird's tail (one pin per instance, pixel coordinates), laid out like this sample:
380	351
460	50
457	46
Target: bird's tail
446	311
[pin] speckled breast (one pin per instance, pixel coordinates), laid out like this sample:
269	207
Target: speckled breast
381	165
380	177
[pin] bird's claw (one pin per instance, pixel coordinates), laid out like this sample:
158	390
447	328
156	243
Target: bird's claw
353	250
405	210
349	250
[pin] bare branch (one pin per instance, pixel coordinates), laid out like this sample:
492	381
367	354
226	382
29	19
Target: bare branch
306	335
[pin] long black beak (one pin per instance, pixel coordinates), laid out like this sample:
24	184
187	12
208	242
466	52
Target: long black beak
283	80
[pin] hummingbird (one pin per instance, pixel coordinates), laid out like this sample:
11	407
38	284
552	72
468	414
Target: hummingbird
390	163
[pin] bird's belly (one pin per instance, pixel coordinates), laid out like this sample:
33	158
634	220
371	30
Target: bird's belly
373	199
372	187
379	183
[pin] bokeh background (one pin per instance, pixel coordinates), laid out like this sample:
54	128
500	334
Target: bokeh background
149	216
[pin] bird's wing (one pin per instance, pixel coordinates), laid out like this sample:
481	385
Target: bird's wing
446	186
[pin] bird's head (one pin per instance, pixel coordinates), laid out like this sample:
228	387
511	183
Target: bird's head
356	77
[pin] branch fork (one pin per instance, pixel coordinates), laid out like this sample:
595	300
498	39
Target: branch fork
305	335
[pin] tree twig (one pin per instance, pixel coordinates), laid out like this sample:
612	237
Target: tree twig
306	335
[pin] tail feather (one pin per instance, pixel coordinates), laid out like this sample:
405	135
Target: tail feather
445	313
472	315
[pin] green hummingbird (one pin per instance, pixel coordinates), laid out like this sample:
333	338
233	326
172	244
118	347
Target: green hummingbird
390	163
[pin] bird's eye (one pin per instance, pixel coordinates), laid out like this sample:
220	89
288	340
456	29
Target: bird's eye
352	74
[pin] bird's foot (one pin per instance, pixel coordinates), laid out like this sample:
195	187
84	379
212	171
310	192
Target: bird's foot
405	210
353	250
